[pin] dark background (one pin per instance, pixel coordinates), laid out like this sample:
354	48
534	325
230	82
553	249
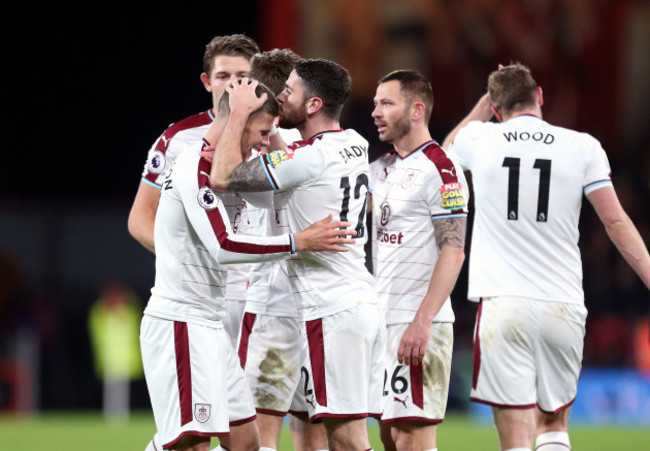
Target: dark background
87	88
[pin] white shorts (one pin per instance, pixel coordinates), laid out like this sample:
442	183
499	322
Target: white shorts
299	406
271	352
345	363
195	382
418	393
527	353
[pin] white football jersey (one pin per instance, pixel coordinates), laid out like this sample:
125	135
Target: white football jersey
193	239
269	291
325	174
528	177
408	196
178	136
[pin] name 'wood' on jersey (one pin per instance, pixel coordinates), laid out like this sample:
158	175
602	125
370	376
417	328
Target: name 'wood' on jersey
529	178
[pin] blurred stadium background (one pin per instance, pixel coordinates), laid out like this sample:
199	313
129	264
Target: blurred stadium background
87	89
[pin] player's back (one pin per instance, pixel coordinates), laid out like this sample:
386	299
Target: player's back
528	178
328	282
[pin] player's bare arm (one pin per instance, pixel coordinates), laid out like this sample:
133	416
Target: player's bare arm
450	232
143	215
622	231
249	176
480	112
450	239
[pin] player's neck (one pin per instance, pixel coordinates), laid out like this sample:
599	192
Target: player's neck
537	112
410	142
314	126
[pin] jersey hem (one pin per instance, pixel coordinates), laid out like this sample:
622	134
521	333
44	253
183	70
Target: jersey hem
484	297
215	324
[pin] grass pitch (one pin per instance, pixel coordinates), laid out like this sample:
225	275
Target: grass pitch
81	431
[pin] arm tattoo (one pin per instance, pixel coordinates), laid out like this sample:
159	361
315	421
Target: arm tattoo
249	176
450	232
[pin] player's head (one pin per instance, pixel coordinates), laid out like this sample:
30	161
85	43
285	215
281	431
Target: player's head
273	68
224	57
403	99
315	86
512	88
258	126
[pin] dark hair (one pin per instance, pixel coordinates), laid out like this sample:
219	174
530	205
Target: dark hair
415	88
273	68
512	88
271	105
229	45
326	80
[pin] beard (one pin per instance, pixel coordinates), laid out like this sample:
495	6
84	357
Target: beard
291	117
398	130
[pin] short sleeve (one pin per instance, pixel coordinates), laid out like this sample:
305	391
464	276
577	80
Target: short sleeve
465	144
445	198
291	168
598	173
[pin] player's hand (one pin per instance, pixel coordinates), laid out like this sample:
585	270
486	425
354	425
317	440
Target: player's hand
325	235
208	152
243	97
413	344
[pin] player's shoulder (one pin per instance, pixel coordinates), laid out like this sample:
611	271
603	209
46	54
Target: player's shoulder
476	129
196	120
575	135
352	135
189	123
334	146
436	163
432	154
340	138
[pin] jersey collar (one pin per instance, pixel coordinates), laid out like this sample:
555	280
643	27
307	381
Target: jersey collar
417	149
526	115
318	135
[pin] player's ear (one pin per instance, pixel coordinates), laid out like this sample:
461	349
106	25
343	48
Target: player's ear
314	104
205	79
540	96
417	111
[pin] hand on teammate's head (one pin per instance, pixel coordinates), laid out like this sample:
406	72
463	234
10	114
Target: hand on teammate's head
243	96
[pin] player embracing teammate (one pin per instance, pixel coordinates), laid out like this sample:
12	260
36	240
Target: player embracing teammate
322	336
